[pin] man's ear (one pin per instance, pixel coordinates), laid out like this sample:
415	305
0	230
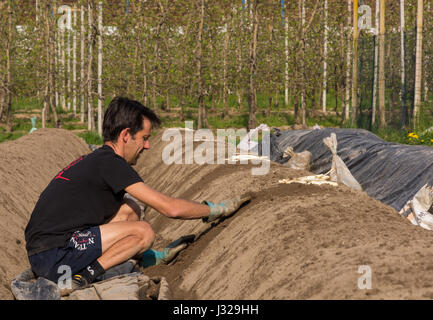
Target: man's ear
125	134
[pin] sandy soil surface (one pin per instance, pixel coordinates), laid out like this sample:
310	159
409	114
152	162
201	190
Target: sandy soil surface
289	242
26	167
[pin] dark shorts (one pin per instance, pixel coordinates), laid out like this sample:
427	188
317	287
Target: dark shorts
83	248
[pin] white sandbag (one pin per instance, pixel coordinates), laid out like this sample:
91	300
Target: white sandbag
27	287
250	141
419	209
298	161
339	171
124	287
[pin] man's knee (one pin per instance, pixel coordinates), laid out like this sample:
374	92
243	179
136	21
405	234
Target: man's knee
146	234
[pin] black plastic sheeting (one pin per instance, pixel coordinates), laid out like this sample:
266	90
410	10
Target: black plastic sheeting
390	172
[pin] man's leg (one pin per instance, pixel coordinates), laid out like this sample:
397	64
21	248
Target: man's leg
123	240
119	241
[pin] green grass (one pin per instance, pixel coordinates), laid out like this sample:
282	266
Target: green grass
10	136
91	137
26	104
279	117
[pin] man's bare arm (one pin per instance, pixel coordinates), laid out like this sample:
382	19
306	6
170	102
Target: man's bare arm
168	206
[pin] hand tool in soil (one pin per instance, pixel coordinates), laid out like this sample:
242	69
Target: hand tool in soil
225	208
153	257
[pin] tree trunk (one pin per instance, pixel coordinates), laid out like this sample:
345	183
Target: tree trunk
182	104
144	96
68	69
46	104
200	93
403	109
62	68
100	98
2	102
56	66
39	35
286	65
418	64
325	57
302	63
82	62
91	39
355	63
376	60
382	120
252	101
74	62
268	111
225	80
239	66
53	95
156	55
9	71
348	59
341	75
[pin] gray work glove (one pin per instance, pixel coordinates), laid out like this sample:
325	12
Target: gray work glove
224	208
152	257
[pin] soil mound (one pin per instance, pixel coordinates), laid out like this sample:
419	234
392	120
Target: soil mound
292	241
27	165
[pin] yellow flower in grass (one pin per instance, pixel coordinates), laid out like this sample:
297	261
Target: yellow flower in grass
413	135
422	140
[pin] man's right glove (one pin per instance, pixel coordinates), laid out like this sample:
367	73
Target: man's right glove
224	208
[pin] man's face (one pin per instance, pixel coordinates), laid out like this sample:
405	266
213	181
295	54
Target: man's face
136	145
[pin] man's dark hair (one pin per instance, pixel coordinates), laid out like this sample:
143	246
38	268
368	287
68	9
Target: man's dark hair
126	113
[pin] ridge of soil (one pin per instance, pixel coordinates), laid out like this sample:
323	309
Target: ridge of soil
291	241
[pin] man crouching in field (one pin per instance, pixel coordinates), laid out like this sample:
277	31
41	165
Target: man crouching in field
82	220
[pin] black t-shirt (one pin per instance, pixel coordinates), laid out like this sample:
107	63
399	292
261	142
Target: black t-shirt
86	193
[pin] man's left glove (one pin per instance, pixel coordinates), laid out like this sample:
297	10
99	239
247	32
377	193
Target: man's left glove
153	257
224	208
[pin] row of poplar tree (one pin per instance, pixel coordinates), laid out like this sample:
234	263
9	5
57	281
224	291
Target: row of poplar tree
76	54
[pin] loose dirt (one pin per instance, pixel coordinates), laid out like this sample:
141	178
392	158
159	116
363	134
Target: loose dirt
290	241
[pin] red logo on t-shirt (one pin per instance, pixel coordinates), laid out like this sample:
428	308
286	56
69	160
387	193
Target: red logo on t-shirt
59	175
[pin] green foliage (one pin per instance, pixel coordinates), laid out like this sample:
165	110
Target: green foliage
154	53
91	137
10	136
